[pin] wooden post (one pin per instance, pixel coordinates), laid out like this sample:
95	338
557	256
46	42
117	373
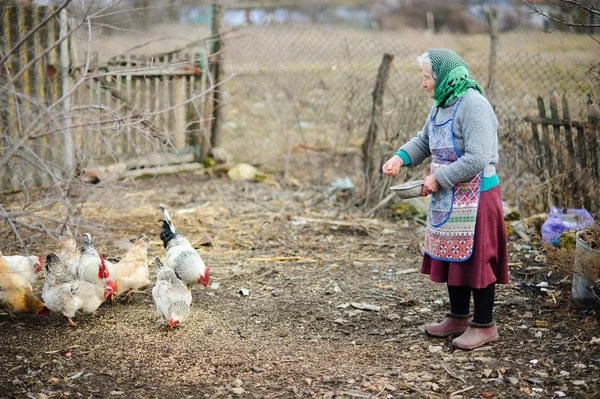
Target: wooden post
492	19
430	22
369	151
216	59
68	152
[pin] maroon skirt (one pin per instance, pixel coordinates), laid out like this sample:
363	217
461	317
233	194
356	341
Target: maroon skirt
489	261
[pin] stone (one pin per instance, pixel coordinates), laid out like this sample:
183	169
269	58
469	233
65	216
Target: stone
237	383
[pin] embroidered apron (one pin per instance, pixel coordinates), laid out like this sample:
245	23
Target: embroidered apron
452	213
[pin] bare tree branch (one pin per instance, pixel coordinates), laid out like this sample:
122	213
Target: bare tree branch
535	8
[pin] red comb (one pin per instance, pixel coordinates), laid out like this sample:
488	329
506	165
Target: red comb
39	265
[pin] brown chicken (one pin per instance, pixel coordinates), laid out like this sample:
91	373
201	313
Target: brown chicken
16	294
131	273
69	254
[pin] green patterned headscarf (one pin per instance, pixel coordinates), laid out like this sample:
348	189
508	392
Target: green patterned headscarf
452	80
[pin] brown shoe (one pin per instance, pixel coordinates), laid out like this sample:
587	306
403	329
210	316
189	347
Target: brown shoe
476	335
452	325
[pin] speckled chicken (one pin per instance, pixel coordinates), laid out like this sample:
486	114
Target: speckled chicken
26	266
181	256
67	294
16	294
171	296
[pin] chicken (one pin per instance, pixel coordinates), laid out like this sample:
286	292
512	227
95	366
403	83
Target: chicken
92	266
181	256
67	294
69	253
132	271
171	296
26	266
16	294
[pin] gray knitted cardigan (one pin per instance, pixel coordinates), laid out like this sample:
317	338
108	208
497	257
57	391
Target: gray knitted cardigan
475	138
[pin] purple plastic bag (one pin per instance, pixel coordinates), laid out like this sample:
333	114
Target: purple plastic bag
561	220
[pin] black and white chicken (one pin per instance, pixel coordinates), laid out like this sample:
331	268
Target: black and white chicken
181	256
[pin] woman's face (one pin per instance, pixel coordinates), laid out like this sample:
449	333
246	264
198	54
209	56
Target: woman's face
428	82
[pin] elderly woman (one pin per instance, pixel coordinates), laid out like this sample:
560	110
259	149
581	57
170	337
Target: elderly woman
465	241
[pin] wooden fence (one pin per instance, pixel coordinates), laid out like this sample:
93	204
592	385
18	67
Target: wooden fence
161	95
67	118
567	160
23	96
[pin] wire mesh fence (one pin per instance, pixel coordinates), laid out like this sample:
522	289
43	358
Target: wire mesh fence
305	92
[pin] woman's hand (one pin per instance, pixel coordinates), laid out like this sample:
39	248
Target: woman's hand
431	185
392	166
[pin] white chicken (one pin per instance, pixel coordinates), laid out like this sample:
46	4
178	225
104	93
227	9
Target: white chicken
26	266
181	256
171	296
68	295
92	266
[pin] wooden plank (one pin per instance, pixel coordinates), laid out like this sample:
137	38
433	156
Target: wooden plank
269	4
119	137
5	117
163	170
129	132
558	147
179	99
138	103
537	148
11	38
39	86
568	135
167	102
26	117
581	148
546	139
151	72
562	122
593	120
101	100
57	143
88	139
189	111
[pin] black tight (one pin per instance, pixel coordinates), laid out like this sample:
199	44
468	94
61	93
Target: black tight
483	300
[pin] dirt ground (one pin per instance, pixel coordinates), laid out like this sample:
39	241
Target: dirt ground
304	261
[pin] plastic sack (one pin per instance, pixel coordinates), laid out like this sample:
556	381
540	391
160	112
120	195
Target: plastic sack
561	220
